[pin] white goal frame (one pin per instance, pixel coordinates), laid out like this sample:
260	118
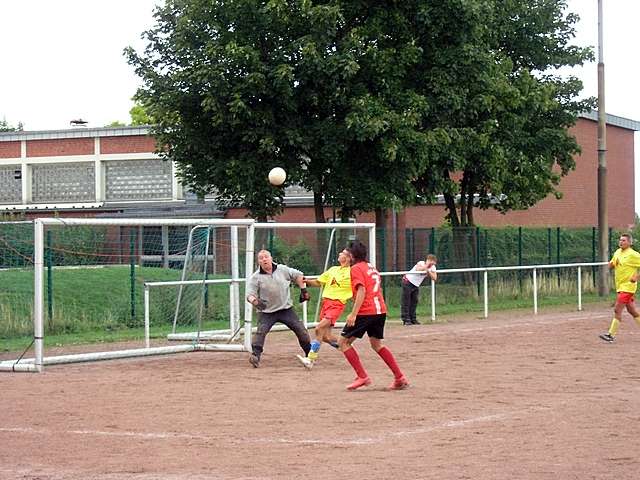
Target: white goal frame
37	363
199	339
236	329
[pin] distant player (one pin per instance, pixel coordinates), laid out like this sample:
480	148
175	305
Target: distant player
336	293
367	316
411	288
626	262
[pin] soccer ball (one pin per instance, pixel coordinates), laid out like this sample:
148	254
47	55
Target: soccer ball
277	176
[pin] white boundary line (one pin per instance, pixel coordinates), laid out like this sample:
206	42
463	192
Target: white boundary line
381	438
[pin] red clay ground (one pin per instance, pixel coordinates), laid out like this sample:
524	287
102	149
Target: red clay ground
528	397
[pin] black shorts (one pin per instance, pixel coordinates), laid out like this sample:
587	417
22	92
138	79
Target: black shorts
372	325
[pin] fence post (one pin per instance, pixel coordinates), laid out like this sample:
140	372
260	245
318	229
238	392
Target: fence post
486	294
486	247
535	291
579	289
147	342
478	258
49	279
382	262
610	247
132	270
433	301
593	255
520	256
408	249
432	241
558	252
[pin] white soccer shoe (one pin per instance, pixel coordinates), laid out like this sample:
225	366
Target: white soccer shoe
306	363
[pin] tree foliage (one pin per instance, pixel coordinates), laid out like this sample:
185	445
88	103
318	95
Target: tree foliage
7	127
369	104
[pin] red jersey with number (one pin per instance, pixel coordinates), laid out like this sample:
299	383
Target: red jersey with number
365	274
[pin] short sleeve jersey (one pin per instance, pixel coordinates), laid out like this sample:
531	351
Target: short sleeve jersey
365	274
626	263
337	283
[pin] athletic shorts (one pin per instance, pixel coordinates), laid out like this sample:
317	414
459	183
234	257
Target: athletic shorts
331	309
372	325
625	297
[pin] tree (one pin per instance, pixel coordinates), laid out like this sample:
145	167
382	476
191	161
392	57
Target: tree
116	123
242	86
139	115
366	103
504	120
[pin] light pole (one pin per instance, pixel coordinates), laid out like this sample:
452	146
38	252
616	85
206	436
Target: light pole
603	226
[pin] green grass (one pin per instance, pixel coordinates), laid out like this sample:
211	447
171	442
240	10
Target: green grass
89	300
93	305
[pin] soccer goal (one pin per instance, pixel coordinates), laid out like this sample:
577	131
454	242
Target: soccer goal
98	289
309	247
87	280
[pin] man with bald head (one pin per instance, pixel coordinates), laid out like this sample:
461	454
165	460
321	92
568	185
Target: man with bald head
268	290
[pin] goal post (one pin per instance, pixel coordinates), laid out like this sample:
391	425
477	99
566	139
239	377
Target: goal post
298	245
127	255
295	232
92	277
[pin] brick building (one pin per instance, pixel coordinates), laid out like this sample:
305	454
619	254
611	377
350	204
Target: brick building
114	171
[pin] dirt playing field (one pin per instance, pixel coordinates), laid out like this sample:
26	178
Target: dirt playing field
514	397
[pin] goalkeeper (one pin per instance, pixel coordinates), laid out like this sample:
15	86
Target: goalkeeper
268	291
337	290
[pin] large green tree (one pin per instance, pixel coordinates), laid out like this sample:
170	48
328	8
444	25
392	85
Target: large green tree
218	79
502	113
241	86
366	103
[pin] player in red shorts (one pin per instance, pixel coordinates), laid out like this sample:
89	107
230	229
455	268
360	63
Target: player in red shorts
337	291
626	262
368	316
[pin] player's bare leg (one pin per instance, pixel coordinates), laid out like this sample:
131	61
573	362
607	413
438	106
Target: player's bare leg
323	334
615	323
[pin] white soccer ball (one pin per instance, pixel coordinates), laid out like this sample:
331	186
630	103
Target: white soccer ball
277	176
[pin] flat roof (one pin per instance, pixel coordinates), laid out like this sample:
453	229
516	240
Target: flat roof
613	120
86	132
76	132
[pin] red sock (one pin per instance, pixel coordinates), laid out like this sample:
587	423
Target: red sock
352	357
390	360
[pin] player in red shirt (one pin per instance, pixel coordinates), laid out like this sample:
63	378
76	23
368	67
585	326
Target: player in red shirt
368	316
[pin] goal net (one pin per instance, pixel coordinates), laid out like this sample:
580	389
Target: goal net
80	286
84	289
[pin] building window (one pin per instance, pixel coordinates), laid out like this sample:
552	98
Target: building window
63	182
138	180
10	184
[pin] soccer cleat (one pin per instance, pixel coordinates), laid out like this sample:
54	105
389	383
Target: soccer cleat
359	382
254	360
313	356
607	337
334	344
407	323
399	384
306	362
415	322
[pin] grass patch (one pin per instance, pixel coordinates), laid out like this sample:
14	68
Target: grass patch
93	305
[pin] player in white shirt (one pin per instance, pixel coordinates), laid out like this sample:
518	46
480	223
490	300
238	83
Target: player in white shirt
411	287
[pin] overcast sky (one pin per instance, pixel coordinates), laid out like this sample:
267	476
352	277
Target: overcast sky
62	60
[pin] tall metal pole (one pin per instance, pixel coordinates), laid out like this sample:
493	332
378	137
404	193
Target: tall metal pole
603	226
